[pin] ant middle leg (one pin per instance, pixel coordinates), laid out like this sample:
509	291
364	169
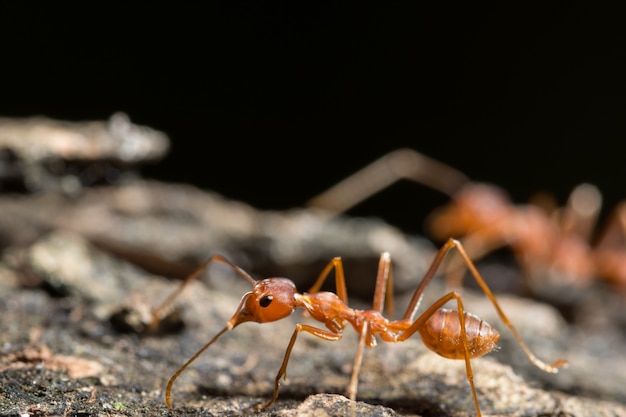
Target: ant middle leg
340	280
383	293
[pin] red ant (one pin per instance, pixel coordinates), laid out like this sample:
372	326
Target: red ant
453	334
542	238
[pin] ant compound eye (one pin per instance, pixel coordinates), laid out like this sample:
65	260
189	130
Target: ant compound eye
265	300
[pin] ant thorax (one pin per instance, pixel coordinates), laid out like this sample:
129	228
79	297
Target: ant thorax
324	306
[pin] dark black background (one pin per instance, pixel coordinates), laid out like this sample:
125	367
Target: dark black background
270	103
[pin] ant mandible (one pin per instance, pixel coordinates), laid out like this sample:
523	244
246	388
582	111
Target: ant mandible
453	334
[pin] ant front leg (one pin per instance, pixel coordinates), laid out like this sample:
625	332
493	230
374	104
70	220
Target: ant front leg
282	372
340	280
384	282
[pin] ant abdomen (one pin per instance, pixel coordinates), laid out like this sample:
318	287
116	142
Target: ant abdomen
442	334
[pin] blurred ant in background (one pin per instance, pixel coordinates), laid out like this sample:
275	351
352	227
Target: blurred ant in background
553	245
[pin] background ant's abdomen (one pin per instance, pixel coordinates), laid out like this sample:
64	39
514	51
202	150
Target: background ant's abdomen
442	334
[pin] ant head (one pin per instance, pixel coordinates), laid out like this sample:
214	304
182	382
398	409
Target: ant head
484	200
270	300
475	206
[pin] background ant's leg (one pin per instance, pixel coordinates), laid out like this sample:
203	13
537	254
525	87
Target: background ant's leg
614	232
282	372
552	368
610	249
340	280
159	312
380	174
384	285
581	212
